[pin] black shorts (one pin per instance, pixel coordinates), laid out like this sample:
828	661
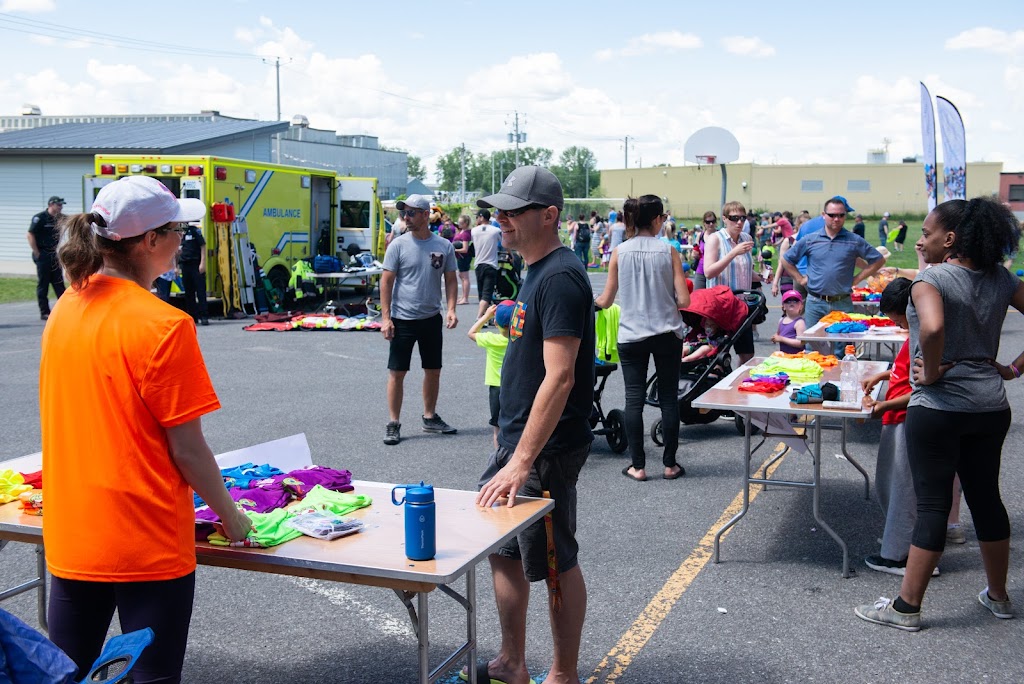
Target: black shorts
463	263
426	333
744	343
557	475
486	281
492	397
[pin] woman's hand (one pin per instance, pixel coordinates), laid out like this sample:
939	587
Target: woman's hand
921	377
775	289
742	248
238	527
1005	372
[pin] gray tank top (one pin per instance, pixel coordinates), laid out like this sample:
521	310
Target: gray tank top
646	292
974	305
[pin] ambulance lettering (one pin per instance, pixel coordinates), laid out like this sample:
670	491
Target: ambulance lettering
278	212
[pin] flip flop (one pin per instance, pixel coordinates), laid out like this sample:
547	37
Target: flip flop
625	471
679	473
483	675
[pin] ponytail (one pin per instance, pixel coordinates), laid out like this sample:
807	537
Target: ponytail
640	213
77	251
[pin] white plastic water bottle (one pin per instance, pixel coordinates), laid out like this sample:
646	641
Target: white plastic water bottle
849	377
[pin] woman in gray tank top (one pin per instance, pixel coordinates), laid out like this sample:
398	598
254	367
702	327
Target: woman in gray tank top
958	415
648	276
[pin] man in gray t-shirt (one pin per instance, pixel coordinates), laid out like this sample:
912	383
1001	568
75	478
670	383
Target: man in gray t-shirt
410	299
486	241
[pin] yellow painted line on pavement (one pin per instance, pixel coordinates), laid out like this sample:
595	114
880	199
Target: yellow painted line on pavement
613	665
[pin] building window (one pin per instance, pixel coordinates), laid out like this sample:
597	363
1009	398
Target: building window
1016	193
812	186
858	186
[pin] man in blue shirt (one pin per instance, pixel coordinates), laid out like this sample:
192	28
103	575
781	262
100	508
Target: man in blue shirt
832	256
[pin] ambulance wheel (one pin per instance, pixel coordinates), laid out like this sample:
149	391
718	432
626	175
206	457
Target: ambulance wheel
279	278
615	423
657	436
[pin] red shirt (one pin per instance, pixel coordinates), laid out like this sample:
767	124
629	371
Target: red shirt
899	384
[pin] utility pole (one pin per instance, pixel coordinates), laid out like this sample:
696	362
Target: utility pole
492	172
586	192
462	182
516	136
277	69
626	147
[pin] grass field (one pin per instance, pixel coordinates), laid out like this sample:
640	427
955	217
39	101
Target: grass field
17	289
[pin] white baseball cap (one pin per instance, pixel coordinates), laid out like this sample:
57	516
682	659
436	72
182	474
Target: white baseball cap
136	204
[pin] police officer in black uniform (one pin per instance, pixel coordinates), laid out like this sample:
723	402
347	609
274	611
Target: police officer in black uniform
193	269
42	238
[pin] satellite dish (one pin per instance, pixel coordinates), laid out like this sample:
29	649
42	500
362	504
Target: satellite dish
711	145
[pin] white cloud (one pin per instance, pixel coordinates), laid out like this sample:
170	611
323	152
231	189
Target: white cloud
247	35
750	47
540	76
649	43
116	75
28	6
989	40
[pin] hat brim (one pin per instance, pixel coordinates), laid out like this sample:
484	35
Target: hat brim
189	209
502	202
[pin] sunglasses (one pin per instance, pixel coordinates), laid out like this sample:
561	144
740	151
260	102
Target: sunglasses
835	216
405	213
736	219
512	213
710	222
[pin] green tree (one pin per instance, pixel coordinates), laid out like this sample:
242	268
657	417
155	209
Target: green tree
416	168
577	170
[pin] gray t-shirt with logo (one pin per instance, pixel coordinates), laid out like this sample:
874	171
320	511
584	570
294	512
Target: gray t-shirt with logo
419	267
974	306
486	241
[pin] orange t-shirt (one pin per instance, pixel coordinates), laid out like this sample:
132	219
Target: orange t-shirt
118	367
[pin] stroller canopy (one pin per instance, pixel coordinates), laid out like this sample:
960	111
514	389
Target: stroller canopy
720	305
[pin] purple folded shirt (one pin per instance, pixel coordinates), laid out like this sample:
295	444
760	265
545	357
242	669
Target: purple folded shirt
255	500
300	481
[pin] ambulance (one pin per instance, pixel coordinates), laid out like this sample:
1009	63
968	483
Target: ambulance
290	213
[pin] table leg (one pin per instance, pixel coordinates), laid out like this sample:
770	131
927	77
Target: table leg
471	625
846	453
41	578
746	485
422	634
815	499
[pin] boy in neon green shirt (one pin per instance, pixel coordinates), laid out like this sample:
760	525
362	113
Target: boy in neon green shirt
495	344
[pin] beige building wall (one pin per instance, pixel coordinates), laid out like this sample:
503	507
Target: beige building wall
871	189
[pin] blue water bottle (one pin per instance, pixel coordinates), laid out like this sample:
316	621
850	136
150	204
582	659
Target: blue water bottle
420	523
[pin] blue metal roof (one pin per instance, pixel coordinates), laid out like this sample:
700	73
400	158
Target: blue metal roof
146	136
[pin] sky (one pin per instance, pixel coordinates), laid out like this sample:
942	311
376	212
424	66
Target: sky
795	82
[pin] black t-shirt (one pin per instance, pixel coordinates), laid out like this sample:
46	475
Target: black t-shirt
858	228
192	244
44	229
556	301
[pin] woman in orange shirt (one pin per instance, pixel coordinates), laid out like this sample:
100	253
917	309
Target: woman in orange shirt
122	388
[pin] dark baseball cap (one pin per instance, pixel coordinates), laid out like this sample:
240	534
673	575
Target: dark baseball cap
484	214
525	186
55	200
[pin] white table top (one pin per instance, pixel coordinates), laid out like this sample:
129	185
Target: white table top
816	333
345	275
726	397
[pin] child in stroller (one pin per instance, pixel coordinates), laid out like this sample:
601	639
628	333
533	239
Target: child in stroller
716	316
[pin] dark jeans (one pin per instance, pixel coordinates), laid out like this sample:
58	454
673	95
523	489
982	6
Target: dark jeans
194	284
80	614
942	444
582	250
48	274
667	351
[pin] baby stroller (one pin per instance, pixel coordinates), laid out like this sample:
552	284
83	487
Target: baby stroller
613	424
732	312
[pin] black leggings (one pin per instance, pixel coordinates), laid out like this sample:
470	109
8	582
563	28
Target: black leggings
667	351
942	444
80	614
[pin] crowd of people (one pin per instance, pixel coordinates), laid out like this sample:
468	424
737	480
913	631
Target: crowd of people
134	360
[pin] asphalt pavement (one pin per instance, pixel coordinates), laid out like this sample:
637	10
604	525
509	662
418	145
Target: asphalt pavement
774	610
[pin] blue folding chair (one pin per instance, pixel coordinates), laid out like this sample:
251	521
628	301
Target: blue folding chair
26	656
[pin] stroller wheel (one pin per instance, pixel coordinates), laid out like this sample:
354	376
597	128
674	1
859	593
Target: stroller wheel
657	436
741	427
615	423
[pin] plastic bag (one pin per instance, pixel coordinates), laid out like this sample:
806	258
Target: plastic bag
324	525
28	656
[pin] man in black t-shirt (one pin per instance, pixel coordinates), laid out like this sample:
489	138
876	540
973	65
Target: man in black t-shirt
193	273
544	436
42	238
858	227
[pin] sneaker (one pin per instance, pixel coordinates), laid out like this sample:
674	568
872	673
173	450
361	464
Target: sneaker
204	321
44	316
437	424
393	432
955	535
877	562
1001	609
883	613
